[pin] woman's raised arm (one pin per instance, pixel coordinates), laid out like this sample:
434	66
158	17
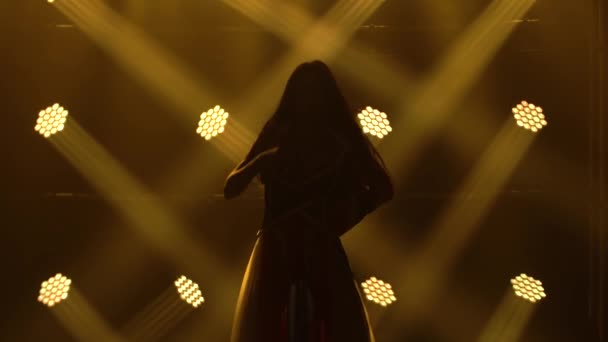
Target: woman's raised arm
238	180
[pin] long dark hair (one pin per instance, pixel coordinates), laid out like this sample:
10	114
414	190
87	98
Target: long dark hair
312	99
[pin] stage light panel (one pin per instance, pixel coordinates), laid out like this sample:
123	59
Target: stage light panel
54	290
212	122
374	122
529	116
378	291
189	291
528	288
51	120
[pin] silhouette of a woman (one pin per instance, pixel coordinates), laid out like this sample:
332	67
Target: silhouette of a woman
321	176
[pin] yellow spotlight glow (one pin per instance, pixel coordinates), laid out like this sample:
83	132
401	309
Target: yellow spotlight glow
529	116
54	290
528	288
51	120
51	1
212	122
378	291
189	291
374	122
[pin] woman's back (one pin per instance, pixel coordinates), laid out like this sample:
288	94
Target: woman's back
316	181
321	177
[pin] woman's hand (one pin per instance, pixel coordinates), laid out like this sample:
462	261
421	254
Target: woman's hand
270	151
267	157
242	175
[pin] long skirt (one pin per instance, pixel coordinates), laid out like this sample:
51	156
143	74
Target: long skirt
299	288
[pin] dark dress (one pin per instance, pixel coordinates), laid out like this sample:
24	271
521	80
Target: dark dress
298	285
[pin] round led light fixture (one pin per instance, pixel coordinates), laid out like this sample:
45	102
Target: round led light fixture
212	122
51	120
378	291
528	288
189	291
529	116
54	290
374	122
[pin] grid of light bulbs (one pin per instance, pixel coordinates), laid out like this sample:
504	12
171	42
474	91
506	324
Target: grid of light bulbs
54	290
528	288
212	122
378	291
529	116
189	291
51	120
374	122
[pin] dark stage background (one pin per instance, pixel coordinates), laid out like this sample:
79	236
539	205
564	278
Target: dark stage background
542	222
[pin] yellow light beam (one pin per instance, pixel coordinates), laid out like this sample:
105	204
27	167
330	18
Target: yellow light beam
155	328
374	71
508	321
321	40
142	209
335	28
463	139
426	269
359	63
155	308
470	54
503	23
516	326
165	312
79	318
487	179
456	317
148	63
370	244
160	72
340	23
310	39
432	102
258	99
138	54
448	83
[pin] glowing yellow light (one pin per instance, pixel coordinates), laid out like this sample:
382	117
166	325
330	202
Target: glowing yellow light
378	291
51	120
212	122
529	116
54	290
189	291
374	122
528	288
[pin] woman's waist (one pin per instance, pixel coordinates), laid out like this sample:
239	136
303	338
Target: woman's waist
297	226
